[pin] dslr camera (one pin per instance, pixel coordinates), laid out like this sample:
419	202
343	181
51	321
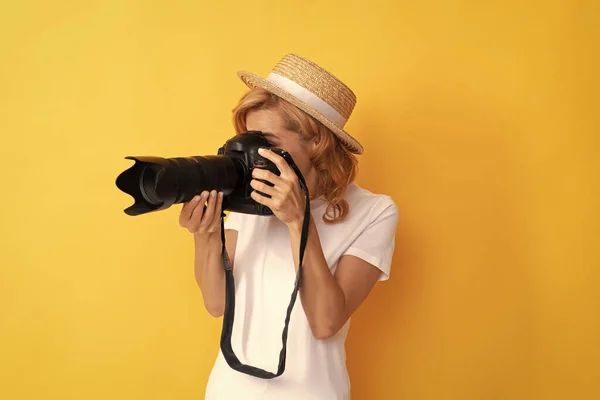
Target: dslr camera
156	183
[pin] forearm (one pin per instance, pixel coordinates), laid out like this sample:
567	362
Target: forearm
322	298
208	268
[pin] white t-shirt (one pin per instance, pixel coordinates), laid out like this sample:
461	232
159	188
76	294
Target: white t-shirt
264	276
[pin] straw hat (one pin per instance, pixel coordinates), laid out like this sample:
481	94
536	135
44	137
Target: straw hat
312	89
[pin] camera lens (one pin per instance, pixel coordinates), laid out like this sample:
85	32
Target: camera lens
149	178
157	183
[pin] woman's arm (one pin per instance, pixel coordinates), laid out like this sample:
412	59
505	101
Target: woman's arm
205	224
329	300
208	268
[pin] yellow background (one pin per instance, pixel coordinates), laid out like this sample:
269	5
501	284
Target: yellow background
479	118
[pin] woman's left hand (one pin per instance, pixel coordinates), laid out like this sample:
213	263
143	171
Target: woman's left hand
287	199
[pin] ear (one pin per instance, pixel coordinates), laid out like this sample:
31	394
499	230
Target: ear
316	140
314	143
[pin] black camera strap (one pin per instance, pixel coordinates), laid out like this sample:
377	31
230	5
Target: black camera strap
228	316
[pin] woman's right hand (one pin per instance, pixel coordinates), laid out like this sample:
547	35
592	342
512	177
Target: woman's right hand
200	219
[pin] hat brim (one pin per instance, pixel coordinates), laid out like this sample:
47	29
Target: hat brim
254	81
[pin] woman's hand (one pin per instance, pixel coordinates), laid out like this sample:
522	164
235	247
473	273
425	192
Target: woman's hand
287	200
200	219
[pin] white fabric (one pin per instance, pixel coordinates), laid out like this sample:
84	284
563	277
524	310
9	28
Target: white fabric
308	97
264	276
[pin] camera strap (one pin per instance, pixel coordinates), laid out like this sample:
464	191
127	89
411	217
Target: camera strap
228	316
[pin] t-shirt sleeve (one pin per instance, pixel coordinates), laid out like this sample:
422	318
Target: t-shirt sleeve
233	221
376	244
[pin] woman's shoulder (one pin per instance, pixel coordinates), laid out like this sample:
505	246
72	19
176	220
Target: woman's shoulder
360	198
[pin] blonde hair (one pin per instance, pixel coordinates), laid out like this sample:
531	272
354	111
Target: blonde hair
336	166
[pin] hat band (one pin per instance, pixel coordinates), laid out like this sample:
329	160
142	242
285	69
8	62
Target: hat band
308	97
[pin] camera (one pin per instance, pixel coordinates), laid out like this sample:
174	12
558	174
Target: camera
156	183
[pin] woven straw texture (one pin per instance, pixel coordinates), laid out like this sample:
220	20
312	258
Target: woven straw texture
318	81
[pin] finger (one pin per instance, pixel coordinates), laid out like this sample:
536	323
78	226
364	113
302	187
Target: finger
263	187
279	162
209	212
216	221
267	175
262	199
196	217
282	185
188	208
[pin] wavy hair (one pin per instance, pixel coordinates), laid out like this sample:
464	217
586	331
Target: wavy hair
336	166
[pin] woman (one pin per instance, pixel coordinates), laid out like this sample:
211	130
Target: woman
302	109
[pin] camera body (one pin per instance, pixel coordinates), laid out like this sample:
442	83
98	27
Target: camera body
243	150
157	183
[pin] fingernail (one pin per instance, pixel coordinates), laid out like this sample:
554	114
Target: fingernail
261	150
